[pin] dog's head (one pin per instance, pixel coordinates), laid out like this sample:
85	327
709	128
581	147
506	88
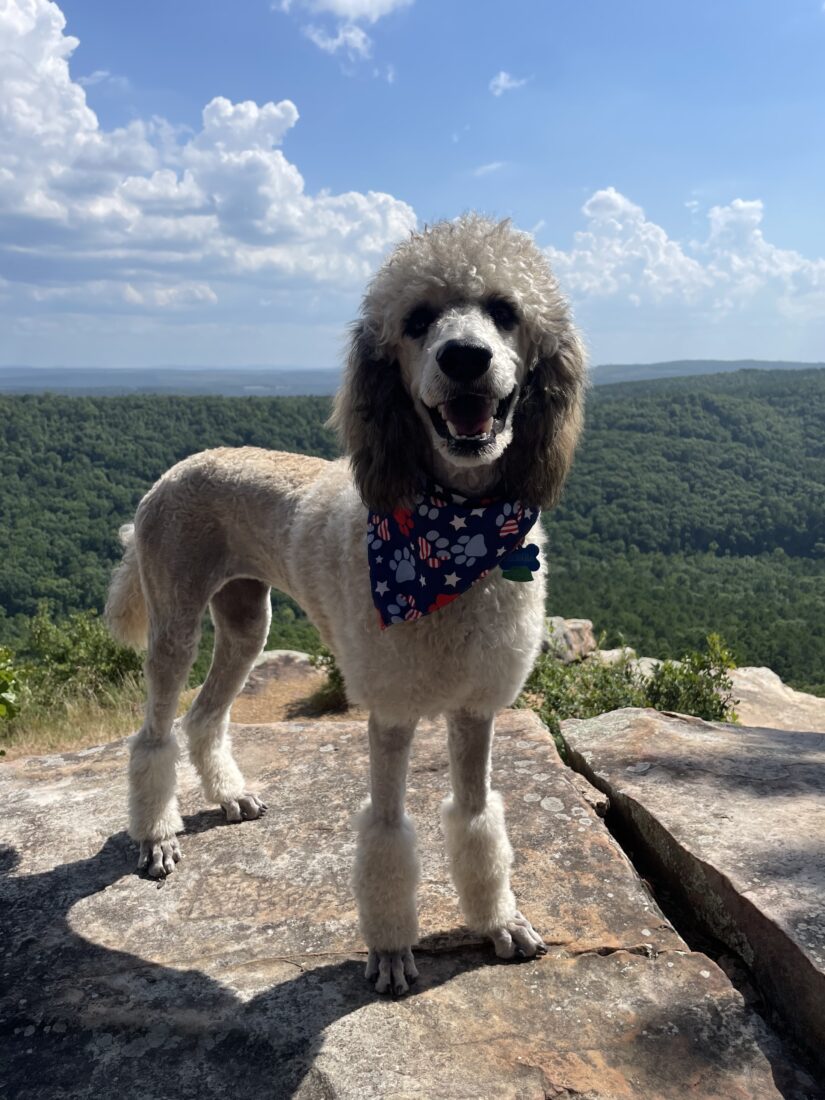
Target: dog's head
465	356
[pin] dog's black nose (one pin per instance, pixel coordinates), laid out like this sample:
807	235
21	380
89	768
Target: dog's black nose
463	362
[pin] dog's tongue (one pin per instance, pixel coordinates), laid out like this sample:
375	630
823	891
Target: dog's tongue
470	415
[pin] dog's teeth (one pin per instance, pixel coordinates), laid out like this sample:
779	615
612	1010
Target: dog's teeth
453	430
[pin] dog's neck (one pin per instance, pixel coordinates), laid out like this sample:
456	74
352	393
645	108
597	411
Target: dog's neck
469	481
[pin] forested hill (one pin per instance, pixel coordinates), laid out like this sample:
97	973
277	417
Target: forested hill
695	504
74	469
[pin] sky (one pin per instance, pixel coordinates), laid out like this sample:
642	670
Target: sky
192	183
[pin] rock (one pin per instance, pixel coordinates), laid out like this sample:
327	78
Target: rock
648	665
242	974
281	665
570	639
733	818
613	656
594	798
764	700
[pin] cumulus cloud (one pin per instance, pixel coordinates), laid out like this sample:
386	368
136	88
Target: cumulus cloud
502	82
147	218
623	255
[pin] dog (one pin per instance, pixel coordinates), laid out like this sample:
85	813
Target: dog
465	378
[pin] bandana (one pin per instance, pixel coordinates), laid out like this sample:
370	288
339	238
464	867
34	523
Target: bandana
424	557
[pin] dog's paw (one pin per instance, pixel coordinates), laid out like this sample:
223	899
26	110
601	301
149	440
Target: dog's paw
392	971
245	807
158	857
517	939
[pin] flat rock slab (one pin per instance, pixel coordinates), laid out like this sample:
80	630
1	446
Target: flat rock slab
242	974
764	700
735	819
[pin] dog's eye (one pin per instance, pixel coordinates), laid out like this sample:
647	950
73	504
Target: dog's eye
502	313
419	321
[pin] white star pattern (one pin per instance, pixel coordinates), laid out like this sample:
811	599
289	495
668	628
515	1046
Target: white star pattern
503	550
458	522
528	513
451	578
477	512
381	587
422	581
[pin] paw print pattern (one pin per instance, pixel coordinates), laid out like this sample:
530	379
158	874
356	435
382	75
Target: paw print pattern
426	510
467	549
403	609
403	517
434	546
377	532
402	565
507	522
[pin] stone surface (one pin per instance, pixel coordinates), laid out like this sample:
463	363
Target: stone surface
570	639
764	700
734	817
281	664
241	974
613	656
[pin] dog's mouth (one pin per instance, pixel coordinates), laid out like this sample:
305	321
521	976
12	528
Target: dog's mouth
472	420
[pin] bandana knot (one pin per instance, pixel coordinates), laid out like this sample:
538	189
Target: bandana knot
424	557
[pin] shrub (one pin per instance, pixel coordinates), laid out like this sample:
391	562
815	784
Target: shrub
581	690
77	655
333	695
699	684
10	685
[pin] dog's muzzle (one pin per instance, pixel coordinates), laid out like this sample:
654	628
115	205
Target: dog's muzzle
469	421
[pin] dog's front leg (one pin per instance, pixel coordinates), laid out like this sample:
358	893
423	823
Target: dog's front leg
385	876
477	846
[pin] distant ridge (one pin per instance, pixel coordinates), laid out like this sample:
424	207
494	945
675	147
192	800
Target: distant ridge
291	382
680	368
228	382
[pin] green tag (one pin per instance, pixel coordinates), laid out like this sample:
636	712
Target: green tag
521	573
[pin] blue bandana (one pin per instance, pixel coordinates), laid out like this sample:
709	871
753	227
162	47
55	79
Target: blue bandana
424	557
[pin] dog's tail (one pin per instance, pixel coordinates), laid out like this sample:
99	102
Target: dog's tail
126	613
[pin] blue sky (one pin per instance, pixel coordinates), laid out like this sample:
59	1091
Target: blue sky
197	183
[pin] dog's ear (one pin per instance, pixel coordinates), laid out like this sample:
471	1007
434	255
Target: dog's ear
546	424
378	427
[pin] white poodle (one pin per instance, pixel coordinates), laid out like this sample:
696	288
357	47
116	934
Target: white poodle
464	371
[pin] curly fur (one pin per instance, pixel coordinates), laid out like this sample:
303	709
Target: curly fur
222	527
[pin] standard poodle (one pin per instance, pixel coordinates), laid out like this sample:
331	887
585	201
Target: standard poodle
459	413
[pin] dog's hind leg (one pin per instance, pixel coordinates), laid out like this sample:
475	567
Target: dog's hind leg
153	809
477	846
241	613
386	870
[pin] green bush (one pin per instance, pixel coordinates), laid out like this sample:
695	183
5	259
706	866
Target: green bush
333	695
77	655
581	690
699	684
10	686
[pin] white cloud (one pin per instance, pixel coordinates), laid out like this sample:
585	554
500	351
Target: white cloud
146	218
624	255
349	10
352	40
488	169
349	38
502	82
103	76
